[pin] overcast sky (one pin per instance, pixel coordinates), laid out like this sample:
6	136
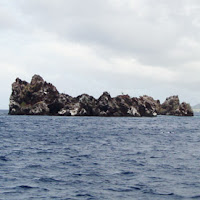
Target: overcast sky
89	46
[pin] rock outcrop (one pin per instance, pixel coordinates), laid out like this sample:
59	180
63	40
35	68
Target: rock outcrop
41	98
172	106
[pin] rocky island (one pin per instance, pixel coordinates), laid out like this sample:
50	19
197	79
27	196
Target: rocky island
41	98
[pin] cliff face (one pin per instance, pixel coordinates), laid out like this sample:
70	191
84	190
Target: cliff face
41	98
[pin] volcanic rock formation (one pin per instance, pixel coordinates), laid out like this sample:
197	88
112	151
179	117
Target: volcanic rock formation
41	98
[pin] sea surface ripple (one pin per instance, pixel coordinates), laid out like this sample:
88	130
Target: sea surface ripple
90	158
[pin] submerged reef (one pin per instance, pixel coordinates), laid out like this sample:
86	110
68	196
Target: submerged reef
41	98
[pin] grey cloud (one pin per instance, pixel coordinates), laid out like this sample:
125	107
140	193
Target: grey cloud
11	18
150	35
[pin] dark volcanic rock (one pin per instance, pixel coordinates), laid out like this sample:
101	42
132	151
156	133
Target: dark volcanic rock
106	106
172	106
87	105
34	98
148	106
41	98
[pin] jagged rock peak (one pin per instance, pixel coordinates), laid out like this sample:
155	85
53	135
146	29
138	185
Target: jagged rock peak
41	98
105	96
106	93
36	79
172	106
19	81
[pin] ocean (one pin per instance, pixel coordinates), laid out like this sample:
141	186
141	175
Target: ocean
96	158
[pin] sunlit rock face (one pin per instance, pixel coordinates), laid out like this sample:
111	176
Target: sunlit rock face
41	98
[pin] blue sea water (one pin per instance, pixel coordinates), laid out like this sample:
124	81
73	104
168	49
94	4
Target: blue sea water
75	158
